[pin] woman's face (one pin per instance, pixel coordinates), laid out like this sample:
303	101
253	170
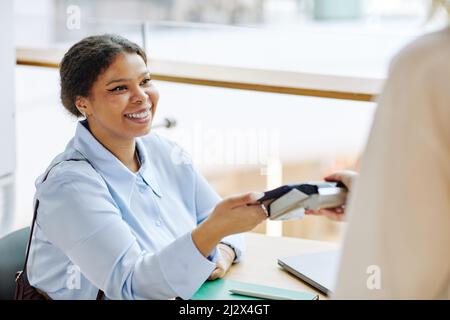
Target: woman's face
122	101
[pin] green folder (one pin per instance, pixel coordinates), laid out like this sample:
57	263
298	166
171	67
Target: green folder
220	290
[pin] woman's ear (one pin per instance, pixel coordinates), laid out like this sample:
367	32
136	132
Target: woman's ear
82	105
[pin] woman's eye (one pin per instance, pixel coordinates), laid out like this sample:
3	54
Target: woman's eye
117	89
146	81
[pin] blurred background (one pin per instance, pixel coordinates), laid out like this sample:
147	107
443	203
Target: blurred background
241	140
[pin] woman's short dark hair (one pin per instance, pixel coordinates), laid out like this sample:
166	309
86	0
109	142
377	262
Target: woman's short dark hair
85	61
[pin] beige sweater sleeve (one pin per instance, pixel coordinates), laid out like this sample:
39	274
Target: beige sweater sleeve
397	243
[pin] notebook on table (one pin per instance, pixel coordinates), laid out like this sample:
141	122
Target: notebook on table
221	289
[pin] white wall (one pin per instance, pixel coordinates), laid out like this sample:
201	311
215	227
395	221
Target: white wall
34	22
7	116
7	63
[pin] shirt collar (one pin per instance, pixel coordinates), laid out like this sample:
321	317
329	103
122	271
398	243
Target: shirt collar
112	169
147	170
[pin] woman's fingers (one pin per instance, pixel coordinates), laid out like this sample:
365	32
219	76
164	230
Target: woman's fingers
333	215
237	215
345	176
323	212
214	275
263	213
256	210
217	273
336	214
240	200
335	177
339	177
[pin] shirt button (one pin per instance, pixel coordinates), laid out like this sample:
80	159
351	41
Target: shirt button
158	223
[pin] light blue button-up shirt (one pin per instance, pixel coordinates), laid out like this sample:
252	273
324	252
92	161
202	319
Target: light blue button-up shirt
99	225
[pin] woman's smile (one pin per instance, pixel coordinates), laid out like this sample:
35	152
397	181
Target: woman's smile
141	116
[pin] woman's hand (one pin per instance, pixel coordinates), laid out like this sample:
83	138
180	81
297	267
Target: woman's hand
232	215
227	256
347	177
238	214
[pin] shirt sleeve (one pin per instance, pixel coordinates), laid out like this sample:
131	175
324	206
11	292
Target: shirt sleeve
78	215
206	198
396	244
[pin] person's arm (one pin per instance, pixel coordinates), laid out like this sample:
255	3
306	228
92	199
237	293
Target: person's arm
78	215
231	216
396	245
206	198
230	248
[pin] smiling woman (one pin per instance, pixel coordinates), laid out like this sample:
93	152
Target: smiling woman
114	212
112	89
123	102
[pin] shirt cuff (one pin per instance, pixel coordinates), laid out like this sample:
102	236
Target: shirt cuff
215	255
184	267
236	242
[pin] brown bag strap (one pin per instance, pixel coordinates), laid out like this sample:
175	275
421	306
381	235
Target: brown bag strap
36	205
30	236
100	294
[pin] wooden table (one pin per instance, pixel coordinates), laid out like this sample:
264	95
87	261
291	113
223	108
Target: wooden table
259	265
